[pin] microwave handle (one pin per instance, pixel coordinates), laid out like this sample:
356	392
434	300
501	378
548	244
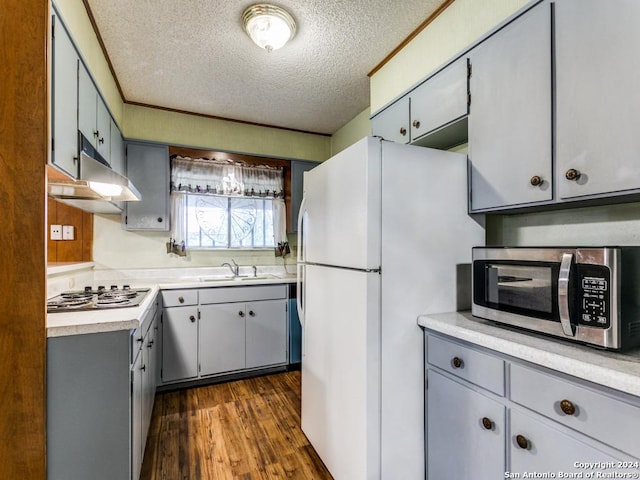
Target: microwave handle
563	295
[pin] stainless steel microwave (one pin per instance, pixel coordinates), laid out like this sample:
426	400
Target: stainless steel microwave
589	295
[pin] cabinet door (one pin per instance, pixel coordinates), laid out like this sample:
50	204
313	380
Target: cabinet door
537	447
147	167
116	156
393	122
440	100
597	100
266	338
297	183
222	338
103	129
510	123
64	101
87	105
137	400
179	343
459	444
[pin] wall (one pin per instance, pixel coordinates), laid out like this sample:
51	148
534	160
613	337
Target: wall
197	131
459	25
350	133
589	226
148	250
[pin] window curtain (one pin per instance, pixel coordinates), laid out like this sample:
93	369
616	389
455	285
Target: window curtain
215	177
219	177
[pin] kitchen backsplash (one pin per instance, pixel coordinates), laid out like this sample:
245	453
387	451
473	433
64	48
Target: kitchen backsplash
116	248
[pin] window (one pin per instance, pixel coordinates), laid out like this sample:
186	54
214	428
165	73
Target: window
214	221
222	205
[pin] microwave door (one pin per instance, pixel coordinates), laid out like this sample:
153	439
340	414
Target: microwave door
521	289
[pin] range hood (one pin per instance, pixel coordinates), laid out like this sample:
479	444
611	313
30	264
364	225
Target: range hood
97	187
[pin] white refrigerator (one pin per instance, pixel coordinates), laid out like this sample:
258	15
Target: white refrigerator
384	236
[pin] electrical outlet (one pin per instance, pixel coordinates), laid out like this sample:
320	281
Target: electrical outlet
68	232
56	232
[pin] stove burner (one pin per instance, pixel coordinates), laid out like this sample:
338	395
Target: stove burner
77	295
112	301
115	293
69	303
90	299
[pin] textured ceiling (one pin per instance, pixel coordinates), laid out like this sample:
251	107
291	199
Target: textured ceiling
193	55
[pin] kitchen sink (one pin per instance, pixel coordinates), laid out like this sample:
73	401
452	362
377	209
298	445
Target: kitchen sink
228	278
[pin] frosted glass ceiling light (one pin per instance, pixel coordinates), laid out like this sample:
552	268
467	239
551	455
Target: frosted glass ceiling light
269	27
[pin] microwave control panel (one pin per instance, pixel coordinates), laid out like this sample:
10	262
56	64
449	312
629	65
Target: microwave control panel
594	295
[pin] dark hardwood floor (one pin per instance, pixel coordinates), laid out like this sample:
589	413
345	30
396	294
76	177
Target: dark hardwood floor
247	429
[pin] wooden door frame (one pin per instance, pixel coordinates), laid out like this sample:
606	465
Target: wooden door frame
24	140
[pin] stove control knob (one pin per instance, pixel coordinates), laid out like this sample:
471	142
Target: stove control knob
101	287
126	287
114	287
88	289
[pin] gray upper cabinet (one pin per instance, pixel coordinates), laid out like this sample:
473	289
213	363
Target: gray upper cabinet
64	101
440	100
510	127
393	122
94	120
87	104
597	79
116	151
147	166
297	183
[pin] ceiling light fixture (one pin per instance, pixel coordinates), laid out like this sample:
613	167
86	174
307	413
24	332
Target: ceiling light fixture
269	27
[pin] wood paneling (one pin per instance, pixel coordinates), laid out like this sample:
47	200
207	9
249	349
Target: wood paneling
23	156
248	429
81	248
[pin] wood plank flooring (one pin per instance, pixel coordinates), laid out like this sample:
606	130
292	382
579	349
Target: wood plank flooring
247	429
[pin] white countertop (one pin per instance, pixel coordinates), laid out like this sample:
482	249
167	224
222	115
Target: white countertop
61	324
620	371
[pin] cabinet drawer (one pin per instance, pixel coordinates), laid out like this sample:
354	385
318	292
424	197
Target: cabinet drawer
605	418
179	298
478	368
242	294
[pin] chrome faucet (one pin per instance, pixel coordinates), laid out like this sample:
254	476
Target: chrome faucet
235	269
255	270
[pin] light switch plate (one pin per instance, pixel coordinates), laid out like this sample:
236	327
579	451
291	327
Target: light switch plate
56	232
68	232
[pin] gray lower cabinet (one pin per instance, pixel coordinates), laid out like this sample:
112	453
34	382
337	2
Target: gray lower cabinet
220	330
510	128
544	422
597	98
222	334
179	343
147	166
64	101
99	399
463	424
266	333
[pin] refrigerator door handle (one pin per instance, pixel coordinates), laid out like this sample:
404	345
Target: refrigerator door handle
300	294
301	236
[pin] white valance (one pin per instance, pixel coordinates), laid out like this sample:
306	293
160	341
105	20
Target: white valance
221	177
